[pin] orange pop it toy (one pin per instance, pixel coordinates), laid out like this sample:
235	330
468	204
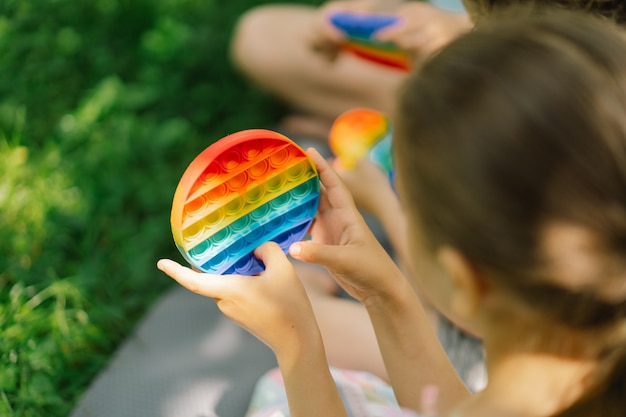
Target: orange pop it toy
362	133
244	190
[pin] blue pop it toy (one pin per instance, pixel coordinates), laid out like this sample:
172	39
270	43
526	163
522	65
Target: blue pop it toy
246	189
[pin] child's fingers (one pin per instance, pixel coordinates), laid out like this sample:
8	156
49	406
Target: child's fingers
330	31
335	188
389	33
406	37
326	173
330	256
209	285
418	40
272	257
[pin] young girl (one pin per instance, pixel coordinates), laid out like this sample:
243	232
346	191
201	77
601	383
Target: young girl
284	48
291	50
511	150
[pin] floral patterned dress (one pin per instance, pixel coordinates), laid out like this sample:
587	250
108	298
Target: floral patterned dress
363	394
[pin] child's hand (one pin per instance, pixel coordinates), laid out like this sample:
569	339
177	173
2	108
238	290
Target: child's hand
371	189
273	306
372	192
328	38
424	28
342	242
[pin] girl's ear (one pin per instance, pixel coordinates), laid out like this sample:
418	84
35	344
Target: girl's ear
468	287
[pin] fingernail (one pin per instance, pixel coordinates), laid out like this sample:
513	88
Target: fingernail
160	264
295	249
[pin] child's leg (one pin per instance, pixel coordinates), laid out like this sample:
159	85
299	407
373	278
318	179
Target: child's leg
348	335
273	46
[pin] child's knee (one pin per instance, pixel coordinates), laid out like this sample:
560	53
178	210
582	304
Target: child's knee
255	38
248	36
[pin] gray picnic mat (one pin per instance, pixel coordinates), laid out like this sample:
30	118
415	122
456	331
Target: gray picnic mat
185	359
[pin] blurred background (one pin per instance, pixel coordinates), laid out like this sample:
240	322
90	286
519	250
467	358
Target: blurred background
103	104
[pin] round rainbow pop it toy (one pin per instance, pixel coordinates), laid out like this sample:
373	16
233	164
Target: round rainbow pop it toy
362	133
244	190
360	31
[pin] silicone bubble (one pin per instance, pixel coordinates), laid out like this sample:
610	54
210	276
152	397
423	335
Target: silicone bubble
360	29
246	189
362	133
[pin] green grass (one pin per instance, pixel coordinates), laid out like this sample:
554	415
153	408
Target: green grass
103	103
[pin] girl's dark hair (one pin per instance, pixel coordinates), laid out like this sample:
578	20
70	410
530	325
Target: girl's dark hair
611	9
516	126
